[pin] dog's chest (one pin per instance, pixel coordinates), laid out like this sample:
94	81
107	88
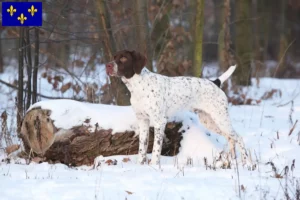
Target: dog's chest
145	98
147	92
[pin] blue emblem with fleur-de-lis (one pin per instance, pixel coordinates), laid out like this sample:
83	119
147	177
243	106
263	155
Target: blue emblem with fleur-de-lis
22	14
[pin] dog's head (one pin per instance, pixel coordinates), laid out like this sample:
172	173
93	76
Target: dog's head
126	63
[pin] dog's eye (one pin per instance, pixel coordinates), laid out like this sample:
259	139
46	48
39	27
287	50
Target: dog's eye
123	59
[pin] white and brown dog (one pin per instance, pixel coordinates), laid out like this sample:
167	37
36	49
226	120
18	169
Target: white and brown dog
155	98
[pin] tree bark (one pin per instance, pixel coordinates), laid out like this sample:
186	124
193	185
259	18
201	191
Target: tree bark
225	57
20	80
79	146
1	56
142	29
29	68
244	49
199	25
118	88
161	33
283	43
36	65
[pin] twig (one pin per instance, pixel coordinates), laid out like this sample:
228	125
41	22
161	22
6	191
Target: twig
238	173
38	94
292	129
281	59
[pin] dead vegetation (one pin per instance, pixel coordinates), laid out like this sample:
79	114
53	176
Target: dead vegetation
240	97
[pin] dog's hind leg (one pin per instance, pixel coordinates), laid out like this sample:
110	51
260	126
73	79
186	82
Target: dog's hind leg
219	122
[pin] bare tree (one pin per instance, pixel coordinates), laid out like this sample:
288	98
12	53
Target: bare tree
1	56
29	67
142	29
283	42
243	42
119	90
224	41
199	25
36	65
20	79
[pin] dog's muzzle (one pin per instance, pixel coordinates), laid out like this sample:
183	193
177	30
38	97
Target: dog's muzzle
110	69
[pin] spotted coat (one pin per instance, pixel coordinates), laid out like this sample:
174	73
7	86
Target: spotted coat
155	98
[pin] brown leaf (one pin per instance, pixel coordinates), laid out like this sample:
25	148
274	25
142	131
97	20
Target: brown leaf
128	192
55	84
76	88
59	78
65	87
270	94
44	75
4	116
12	148
243	188
278	176
126	160
88	120
78	63
111	162
49	79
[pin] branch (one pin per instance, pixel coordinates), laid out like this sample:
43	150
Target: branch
38	94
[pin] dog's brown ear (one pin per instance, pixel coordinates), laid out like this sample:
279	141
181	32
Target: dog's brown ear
139	61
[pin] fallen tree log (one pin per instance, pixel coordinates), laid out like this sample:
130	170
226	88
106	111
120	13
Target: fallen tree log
79	145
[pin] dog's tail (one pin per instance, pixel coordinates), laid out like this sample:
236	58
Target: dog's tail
219	81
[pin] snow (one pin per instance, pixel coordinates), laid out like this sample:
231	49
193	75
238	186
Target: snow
69	113
264	127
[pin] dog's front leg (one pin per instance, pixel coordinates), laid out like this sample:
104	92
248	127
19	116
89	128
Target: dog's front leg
159	131
143	129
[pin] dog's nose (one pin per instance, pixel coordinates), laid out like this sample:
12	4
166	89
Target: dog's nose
109	65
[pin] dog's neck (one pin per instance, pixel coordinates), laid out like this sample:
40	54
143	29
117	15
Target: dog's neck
135	79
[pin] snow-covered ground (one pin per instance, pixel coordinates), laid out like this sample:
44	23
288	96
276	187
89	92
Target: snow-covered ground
265	129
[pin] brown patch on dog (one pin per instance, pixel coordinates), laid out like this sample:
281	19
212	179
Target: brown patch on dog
129	63
123	59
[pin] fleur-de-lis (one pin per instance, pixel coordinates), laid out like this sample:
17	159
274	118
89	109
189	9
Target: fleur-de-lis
32	10
11	10
22	18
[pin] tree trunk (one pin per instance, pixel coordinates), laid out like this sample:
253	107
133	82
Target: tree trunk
225	57
244	49
20	80
161	33
1	56
79	146
36	65
118	88
142	29
283	43
199	25
29	68
266	30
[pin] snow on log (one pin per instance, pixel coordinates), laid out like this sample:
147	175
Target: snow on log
75	133
80	141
